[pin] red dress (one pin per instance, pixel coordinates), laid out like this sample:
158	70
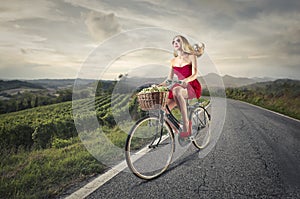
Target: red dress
193	88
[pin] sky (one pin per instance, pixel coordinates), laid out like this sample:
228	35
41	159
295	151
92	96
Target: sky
55	38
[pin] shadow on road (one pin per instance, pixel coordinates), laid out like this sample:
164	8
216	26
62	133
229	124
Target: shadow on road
177	163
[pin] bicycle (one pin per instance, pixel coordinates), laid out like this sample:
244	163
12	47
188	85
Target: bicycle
150	143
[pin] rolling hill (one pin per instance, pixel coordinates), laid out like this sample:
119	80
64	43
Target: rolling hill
14	84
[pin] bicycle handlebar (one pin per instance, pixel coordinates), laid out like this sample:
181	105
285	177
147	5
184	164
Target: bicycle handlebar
171	83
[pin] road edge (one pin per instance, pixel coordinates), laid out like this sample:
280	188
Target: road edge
268	110
92	186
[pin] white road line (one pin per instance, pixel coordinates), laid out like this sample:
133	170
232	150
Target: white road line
271	111
98	182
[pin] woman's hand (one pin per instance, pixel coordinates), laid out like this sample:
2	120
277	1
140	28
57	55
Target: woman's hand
162	84
165	83
184	84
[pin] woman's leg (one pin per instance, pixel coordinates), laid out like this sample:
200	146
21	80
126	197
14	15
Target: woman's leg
180	94
171	104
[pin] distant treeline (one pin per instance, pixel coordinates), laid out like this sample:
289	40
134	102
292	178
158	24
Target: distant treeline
30	95
13	84
31	99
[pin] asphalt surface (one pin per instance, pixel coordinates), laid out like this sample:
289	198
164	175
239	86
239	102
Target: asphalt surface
256	156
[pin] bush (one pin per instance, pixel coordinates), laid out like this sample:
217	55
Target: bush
17	136
61	143
42	135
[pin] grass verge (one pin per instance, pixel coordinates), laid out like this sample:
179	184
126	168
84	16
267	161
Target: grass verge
46	173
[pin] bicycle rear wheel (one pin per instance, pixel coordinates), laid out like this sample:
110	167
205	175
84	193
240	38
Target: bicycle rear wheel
149	147
200	127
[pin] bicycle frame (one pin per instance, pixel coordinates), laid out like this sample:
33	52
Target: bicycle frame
161	118
174	121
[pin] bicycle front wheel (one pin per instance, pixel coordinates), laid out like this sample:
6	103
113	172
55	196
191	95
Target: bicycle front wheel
149	147
200	127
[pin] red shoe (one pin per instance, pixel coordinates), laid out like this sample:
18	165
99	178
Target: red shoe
185	134
188	133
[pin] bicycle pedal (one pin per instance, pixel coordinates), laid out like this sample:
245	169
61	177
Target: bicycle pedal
183	141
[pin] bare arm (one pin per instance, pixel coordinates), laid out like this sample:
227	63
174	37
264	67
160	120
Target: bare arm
170	75
194	69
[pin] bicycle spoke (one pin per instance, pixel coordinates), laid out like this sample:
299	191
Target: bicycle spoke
200	128
149	148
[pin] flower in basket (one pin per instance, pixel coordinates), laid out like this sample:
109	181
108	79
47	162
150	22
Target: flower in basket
154	88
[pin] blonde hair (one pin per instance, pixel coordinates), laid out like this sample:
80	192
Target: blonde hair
187	48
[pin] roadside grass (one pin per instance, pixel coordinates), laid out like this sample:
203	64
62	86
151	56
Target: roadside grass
286	106
46	173
49	172
282	96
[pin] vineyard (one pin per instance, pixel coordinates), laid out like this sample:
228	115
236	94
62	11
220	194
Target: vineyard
35	128
40	148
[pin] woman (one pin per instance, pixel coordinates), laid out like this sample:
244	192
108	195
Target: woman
184	65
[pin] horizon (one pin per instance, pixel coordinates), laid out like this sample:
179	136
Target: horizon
267	78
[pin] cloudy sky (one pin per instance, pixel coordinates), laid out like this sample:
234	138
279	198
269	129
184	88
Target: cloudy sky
53	38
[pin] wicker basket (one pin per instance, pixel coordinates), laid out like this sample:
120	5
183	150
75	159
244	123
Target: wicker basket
152	101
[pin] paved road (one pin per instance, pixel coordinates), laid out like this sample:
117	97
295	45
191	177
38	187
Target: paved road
256	156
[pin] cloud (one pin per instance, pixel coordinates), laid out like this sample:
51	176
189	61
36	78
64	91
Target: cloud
243	34
132	14
35	71
29	9
101	25
144	62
